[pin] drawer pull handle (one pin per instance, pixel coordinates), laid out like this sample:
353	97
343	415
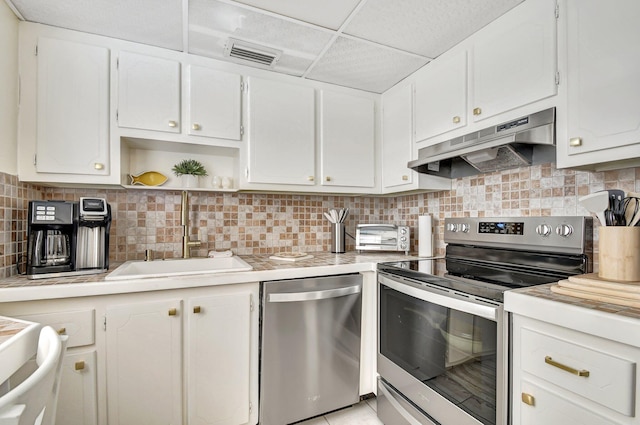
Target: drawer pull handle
575	141
173	312
197	309
456	120
79	365
477	111
528	399
62	331
550	361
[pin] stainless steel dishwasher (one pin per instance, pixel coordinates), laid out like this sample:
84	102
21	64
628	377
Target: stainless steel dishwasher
310	347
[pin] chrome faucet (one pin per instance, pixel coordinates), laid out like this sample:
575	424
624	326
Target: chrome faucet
184	222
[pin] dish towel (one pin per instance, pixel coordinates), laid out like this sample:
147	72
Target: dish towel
217	254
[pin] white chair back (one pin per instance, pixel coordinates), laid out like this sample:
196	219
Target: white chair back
28	402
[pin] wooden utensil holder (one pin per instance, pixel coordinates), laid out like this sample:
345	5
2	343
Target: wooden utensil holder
619	255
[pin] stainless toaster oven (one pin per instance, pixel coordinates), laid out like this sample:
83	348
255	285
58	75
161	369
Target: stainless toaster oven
383	237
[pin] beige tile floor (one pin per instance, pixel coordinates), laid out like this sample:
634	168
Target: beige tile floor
363	413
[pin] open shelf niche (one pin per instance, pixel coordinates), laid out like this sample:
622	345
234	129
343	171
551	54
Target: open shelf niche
141	155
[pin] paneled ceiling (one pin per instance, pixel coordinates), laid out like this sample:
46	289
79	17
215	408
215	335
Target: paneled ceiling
364	44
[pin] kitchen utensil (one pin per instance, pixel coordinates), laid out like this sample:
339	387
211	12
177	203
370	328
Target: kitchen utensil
632	208
334	215
329	217
616	208
596	203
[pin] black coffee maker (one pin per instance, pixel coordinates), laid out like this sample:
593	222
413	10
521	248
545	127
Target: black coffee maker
68	238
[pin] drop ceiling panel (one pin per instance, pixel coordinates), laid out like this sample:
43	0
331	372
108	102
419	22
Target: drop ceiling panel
157	23
212	23
326	13
425	27
364	66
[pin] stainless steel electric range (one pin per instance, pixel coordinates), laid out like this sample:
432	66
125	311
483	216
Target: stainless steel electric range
443	346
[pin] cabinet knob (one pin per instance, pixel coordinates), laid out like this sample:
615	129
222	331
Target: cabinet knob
197	309
575	141
328	178
98	166
196	126
62	331
79	365
173	124
173	311
310	178
456	120
528	399
405	177
477	111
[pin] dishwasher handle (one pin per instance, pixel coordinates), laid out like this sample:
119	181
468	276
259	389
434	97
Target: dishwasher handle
288	297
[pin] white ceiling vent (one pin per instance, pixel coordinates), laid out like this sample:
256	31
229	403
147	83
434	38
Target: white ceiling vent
254	53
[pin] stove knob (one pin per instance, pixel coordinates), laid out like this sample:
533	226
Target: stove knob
452	227
564	230
543	230
464	227
403	231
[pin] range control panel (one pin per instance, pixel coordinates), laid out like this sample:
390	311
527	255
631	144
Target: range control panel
501	227
557	234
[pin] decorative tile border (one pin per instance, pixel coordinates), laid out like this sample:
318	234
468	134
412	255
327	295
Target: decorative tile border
266	223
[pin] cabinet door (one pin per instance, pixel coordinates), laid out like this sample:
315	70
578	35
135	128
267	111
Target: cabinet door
347	140
397	137
441	96
72	108
148	93
214	103
603	65
218	359
514	60
281	133
78	399
144	363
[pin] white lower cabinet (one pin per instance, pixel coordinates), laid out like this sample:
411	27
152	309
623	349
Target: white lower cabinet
144	359
196	346
218	359
78	396
564	376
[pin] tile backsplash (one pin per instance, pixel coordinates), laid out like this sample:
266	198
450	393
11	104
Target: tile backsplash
249	223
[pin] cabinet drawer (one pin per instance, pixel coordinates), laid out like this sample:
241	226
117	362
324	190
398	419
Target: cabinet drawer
596	375
78	325
546	406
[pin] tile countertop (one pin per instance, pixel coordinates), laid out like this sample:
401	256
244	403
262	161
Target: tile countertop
19	288
610	321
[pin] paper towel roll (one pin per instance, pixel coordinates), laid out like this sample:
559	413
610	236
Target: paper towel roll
425	236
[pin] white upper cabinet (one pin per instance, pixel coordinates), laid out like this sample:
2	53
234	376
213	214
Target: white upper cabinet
148	92
347	140
601	57
505	70
73	108
64	108
513	60
214	104
397	140
398	147
281	133
441	96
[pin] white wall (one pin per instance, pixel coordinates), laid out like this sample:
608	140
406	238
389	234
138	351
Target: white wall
8	89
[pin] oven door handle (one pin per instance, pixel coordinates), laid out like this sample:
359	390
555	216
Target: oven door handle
473	307
287	297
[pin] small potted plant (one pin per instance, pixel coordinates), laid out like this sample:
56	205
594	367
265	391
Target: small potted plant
189	170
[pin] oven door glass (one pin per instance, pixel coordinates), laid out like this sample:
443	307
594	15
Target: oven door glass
451	351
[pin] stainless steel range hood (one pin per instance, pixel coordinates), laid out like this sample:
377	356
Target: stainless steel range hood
525	141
